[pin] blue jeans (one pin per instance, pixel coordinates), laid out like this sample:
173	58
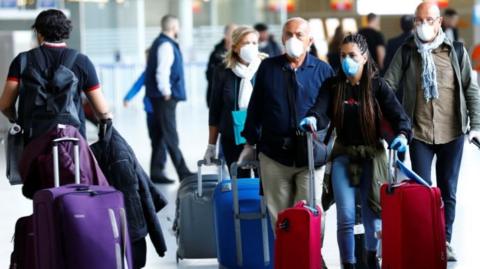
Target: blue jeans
449	158
345	199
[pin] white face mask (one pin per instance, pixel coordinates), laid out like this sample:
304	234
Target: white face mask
425	32
249	52
294	47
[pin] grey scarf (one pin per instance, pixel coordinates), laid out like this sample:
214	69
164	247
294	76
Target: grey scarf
429	74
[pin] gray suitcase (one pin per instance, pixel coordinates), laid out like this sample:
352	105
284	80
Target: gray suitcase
194	223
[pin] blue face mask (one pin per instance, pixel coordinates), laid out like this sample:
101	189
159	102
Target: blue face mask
349	66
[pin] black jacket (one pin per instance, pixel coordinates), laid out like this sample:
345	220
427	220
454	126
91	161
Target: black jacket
142	200
222	102
215	59
391	109
392	46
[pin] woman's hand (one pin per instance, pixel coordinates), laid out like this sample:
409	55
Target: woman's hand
400	143
308	124
210	153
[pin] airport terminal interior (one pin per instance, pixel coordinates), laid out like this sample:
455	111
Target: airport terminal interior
114	34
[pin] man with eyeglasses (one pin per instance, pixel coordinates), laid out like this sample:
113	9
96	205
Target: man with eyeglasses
441	98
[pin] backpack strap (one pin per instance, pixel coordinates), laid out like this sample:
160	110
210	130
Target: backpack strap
458	46
39	58
23	62
69	57
406	58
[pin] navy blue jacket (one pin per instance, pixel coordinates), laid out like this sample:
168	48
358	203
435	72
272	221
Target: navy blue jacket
268	117
177	77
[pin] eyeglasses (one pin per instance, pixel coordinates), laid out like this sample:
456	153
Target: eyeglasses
429	20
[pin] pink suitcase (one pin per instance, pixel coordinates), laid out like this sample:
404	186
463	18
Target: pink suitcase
298	232
413	224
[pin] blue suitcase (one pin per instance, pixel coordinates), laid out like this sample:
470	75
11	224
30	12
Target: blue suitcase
242	226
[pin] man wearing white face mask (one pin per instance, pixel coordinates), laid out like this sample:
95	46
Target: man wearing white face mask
273	117
442	101
231	90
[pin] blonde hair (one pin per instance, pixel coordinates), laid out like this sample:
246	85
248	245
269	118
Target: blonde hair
231	58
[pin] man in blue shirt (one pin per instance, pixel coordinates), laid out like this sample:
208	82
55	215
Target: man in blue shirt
270	123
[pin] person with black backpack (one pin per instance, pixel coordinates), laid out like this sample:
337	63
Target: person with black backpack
49	80
442	100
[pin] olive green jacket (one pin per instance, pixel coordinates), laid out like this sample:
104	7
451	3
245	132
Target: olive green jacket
357	154
468	104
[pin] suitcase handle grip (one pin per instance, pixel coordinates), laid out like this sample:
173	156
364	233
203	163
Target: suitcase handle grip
395	165
76	158
217	162
200	163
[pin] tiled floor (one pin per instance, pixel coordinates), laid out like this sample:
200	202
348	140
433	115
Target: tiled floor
192	125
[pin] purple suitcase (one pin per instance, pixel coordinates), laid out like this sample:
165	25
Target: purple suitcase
80	226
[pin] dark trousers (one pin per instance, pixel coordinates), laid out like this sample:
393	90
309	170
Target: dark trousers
449	158
139	253
166	122
231	153
159	150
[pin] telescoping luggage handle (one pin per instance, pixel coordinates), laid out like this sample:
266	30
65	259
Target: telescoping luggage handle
76	159
392	177
218	163
121	232
237	215
311	172
395	165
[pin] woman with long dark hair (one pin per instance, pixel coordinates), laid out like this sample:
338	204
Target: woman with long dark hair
356	100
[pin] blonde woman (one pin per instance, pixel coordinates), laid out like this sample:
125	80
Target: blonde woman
232	87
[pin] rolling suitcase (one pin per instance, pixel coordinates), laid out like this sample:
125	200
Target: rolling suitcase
413	223
242	226
79	226
298	229
193	226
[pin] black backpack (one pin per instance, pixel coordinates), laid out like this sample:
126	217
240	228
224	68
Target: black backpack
48	95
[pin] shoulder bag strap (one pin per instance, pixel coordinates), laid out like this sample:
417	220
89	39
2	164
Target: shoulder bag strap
406	58
329	134
291	99
458	46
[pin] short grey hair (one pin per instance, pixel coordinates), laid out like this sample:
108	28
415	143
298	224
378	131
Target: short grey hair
168	22
298	19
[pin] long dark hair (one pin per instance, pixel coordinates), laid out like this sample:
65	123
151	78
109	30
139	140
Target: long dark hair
337	39
367	116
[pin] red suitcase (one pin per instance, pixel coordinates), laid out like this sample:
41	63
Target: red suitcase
413	224
298	243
